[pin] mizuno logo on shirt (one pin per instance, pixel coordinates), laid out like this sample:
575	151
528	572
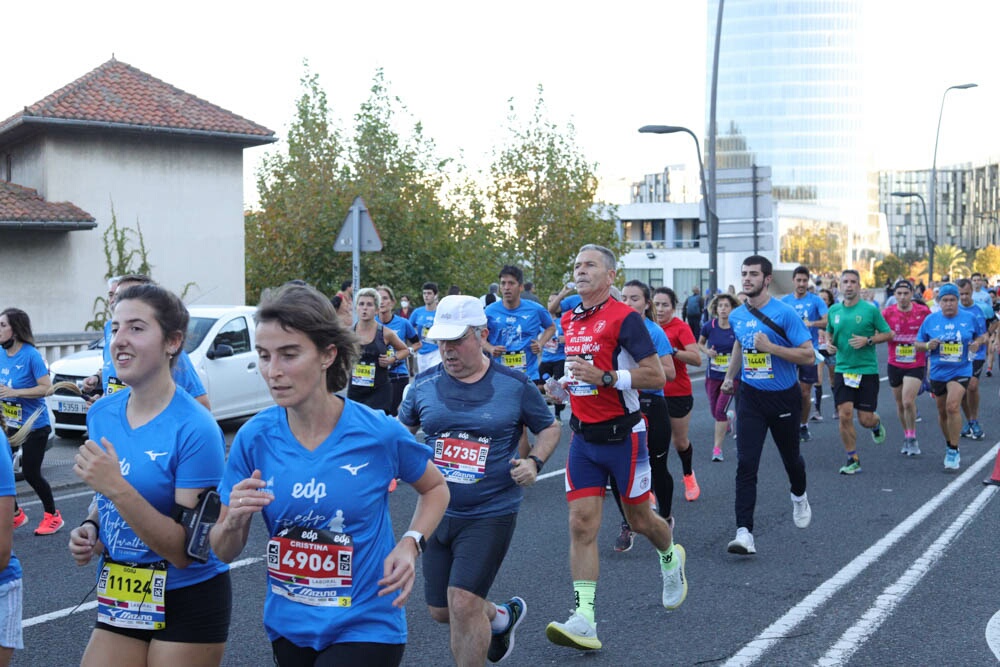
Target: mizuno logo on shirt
154	455
353	469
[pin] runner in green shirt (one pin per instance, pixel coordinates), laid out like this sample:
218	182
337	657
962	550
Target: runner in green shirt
855	327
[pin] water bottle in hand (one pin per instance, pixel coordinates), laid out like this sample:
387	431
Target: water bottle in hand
554	389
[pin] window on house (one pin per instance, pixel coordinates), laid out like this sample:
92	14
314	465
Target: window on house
686	233
685	279
644	230
652	277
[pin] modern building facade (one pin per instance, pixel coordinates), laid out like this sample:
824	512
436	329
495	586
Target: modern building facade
790	96
968	208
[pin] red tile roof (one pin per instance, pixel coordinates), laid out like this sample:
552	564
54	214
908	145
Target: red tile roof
120	94
24	205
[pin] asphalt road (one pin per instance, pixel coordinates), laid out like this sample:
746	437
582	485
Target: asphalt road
894	570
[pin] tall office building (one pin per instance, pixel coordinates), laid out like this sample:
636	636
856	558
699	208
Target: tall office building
790	96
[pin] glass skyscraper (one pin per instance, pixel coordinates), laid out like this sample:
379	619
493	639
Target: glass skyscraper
790	96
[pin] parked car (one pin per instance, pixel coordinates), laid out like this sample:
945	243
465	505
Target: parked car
220	342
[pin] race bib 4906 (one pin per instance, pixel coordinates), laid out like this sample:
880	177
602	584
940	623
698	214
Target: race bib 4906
311	566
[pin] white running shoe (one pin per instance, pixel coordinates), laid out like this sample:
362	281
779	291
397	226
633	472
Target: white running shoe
801	512
743	544
577	632
675	585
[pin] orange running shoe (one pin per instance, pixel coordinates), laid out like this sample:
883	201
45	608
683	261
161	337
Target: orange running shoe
20	518
691	488
49	524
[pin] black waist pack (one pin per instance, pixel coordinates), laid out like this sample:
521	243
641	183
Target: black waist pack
612	431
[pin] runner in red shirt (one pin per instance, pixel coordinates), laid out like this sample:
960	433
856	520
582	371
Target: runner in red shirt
680	398
609	356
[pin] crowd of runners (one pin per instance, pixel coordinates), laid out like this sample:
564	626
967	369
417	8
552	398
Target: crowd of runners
464	399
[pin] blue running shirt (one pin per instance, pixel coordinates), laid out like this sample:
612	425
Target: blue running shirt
341	490
763	371
474	430
810	307
951	358
7	488
977	312
22	372
555	349
662	345
180	448
422	320
515	329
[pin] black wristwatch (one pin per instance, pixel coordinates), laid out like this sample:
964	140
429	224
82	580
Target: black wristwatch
538	462
607	379
870	343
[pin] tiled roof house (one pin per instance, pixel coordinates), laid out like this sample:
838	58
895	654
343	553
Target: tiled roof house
159	157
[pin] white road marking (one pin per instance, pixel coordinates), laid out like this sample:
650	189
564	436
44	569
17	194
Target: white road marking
87	606
784	626
993	634
78	494
855	636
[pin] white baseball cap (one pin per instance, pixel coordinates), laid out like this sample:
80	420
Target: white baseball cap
454	315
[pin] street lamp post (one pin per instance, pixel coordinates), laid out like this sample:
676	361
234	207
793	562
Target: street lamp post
933	185
711	219
931	236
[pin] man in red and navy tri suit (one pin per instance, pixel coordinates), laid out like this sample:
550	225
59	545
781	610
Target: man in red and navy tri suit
609	356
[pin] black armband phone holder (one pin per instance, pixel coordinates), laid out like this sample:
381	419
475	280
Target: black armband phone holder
198	522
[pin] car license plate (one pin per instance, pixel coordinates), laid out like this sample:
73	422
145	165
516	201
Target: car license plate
65	406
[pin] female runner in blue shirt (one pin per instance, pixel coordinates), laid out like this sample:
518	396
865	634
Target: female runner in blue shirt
318	468
159	450
24	381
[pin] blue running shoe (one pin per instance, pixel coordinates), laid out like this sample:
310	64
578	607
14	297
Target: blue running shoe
967	430
977	431
952	459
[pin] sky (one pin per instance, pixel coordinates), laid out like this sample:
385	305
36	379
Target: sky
455	65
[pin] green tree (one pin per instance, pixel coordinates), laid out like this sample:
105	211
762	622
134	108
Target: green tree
889	269
542	197
428	214
987	261
950	260
304	196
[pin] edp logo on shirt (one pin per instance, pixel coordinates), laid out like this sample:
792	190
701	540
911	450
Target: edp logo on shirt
311	489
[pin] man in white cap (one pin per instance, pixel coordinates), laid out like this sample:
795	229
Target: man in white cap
472	412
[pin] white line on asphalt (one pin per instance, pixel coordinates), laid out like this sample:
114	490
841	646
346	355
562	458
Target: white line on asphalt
78	494
993	634
855	636
783	627
87	606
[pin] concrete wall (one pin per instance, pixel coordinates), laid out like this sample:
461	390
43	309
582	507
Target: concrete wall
187	196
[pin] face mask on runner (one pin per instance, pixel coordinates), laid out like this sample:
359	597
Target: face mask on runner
404	303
